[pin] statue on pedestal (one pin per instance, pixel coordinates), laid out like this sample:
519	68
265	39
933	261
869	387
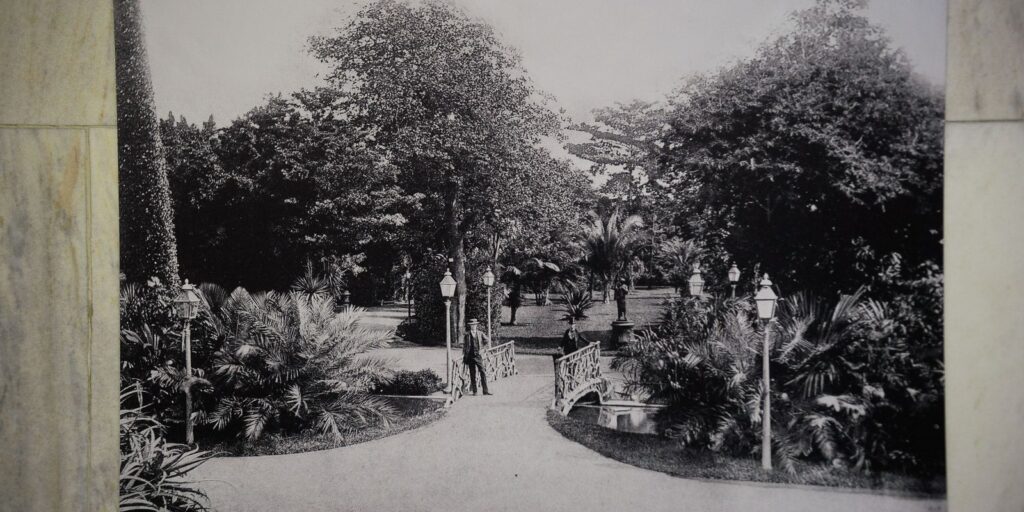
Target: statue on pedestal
620	300
622	328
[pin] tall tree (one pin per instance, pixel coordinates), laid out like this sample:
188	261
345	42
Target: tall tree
148	245
818	157
286	183
623	145
451	103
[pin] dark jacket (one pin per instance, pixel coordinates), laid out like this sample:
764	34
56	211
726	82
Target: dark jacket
474	346
572	341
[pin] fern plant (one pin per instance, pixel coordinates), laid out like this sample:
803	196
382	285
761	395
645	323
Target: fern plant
289	361
846	390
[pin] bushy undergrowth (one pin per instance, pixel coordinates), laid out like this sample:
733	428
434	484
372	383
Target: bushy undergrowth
262	362
406	382
848	387
154	472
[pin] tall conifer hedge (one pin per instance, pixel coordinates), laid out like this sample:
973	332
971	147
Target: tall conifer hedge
148	246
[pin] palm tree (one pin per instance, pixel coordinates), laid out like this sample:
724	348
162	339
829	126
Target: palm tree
679	256
574	302
291	361
609	241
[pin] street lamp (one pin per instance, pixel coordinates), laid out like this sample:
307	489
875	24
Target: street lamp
734	277
766	302
448	291
696	282
186	307
488	282
408	294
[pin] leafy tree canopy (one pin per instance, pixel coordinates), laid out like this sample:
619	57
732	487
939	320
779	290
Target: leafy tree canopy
816	157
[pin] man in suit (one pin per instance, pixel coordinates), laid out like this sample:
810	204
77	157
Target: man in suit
472	355
572	339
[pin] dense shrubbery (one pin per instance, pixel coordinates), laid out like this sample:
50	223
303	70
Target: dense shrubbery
154	472
848	386
288	362
262	362
429	326
411	383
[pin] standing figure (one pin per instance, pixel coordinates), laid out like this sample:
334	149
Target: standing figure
572	340
620	299
472	355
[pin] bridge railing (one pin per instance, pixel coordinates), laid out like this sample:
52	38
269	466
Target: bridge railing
499	362
576	374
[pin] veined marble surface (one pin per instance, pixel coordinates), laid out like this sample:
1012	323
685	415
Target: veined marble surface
58	257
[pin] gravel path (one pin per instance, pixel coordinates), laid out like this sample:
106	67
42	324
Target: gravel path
495	453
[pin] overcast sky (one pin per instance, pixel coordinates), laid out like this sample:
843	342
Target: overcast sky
224	56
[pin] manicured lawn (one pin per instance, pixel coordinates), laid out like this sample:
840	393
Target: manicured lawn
539	328
276	444
665	455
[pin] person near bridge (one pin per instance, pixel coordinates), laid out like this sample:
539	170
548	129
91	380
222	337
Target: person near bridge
572	340
472	355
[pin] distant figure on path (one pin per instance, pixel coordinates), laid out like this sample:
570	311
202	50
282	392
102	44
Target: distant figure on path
571	340
472	355
620	299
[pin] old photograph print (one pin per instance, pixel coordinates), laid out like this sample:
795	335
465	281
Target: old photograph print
529	255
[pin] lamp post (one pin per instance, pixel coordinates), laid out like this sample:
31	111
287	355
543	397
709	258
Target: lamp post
696	282
734	277
408	294
448	291
766	300
186	307
489	283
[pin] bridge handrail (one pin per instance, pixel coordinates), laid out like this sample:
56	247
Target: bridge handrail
499	362
577	369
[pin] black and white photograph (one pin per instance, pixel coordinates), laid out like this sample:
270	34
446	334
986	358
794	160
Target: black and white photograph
528	255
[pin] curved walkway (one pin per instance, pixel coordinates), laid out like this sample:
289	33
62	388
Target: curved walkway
496	453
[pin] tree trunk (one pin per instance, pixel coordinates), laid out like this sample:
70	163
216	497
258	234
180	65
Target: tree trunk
457	253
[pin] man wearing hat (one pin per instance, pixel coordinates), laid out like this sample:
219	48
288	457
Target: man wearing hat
473	357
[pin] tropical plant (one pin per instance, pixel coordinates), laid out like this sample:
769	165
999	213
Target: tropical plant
574	301
538	275
678	256
288	361
609	242
154	473
846	388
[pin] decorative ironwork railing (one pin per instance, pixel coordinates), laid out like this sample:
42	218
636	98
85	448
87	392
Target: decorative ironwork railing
499	362
577	374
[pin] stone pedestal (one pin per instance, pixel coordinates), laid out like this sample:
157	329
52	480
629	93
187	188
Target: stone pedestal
622	333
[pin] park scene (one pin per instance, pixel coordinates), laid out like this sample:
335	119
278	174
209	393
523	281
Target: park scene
413	255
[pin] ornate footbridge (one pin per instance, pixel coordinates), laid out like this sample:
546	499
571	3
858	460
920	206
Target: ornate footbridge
577	375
